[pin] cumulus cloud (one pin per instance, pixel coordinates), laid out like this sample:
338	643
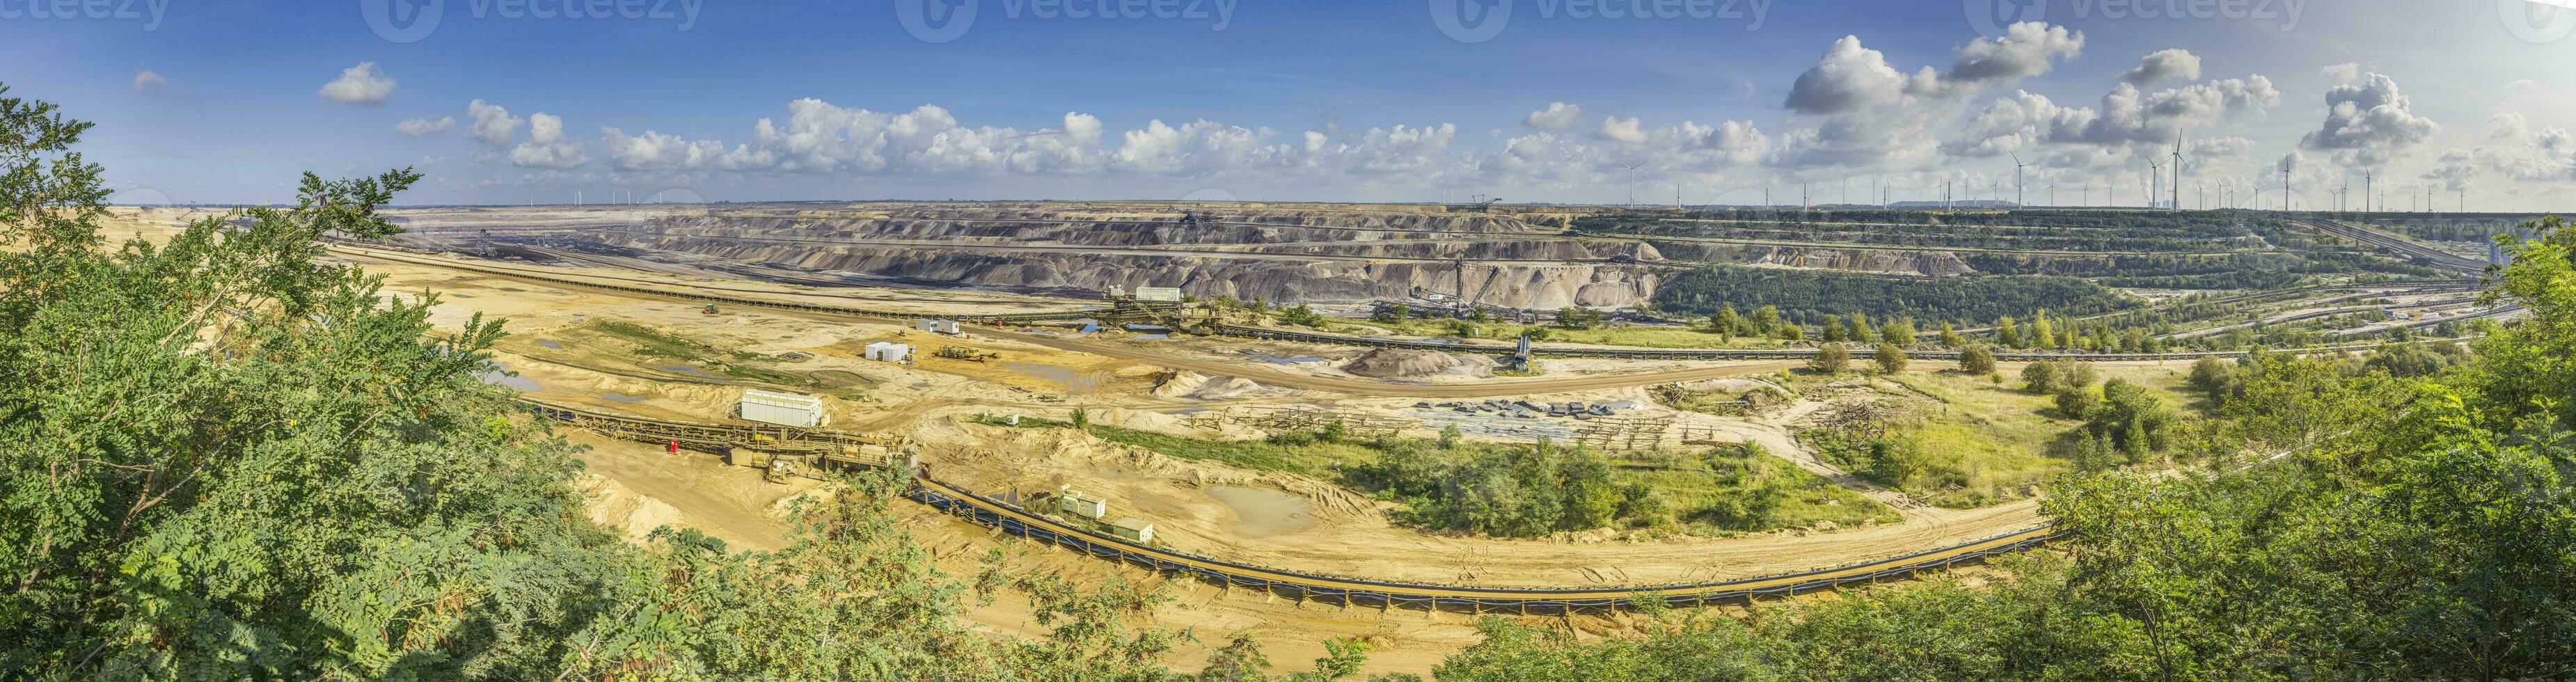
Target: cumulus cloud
2027	49
2508	126
819	136
2173	63
421	126
1617	130
546	146
493	125
2127	116
1847	78
146	82
2515	151
2369	123
2342	74
1557	116
361	84
1867	112
656	151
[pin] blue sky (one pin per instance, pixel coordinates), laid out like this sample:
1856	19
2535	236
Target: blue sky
1320	100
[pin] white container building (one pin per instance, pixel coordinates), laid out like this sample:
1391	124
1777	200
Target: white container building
1158	294
783	409
888	351
936	326
1086	507
1133	528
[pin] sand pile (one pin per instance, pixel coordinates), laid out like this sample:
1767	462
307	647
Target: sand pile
1196	386
1391	363
614	505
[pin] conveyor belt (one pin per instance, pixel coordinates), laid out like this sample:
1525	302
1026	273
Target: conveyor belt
1713	354
1341	589
1124	310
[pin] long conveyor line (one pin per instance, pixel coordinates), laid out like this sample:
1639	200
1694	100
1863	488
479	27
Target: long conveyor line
1123	310
839	446
1726	354
1345	590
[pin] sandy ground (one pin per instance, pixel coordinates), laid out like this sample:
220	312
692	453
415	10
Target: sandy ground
1267	518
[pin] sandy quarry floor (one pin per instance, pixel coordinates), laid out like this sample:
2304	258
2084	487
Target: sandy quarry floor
1267	518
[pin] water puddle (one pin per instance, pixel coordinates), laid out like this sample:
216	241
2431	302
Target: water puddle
1073	382
1264	512
549	344
500	374
623	398
688	370
1154	337
1088	326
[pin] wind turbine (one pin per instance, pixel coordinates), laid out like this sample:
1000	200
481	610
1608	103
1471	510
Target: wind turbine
2155	177
2177	174
2018	181
1632	181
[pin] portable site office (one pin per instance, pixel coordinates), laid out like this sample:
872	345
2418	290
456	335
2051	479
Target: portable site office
784	409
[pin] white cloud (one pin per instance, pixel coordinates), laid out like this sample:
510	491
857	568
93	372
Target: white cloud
148	82
361	84
421	126
656	151
2369	124
2127	117
1615	129
546	147
493	125
2163	64
1557	116
2027	49
1868	113
2342	74
1849	77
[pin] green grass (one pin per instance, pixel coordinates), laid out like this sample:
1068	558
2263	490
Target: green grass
1703	491
1979	442
1615	335
1696	487
653	343
1313	460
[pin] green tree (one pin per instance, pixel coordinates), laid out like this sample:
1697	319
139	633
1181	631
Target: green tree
1831	358
1890	359
1725	321
1950	336
1578	317
2006	334
1766	319
1977	359
2077	402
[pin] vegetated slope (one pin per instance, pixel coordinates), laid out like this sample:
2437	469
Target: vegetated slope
1809	296
2413	528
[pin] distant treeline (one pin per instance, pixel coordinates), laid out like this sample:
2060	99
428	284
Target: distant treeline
2041	231
1810	296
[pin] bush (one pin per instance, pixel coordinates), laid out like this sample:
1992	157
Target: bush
1977	359
1889	359
2077	402
1831	359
